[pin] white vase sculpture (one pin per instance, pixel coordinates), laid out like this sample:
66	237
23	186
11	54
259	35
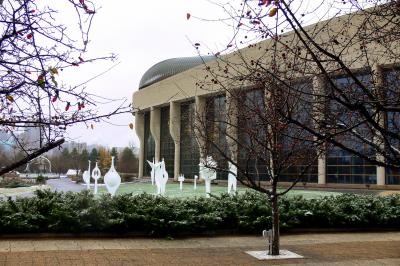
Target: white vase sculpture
195	182
112	179
160	176
181	178
232	181
207	172
96	174
86	177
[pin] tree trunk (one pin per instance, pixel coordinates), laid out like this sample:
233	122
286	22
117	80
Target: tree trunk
275	226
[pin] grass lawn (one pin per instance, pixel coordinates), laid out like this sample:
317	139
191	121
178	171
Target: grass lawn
172	190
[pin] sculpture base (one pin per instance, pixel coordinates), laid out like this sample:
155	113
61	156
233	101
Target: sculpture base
283	254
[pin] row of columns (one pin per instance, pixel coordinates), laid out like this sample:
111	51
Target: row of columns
155	131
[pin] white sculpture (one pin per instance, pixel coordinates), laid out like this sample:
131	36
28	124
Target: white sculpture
86	177
96	174
181	178
152	174
195	180
232	181
160	176
207	173
112	179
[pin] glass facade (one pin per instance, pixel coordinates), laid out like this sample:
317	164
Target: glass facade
251	128
299	154
190	156
216	133
167	149
392	80
342	166
149	145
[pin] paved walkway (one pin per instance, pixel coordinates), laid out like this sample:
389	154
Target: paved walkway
318	249
65	185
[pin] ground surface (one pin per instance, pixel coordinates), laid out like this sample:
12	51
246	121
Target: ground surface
20	191
65	184
173	190
318	249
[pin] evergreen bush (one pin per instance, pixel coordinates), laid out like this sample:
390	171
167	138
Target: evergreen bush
249	212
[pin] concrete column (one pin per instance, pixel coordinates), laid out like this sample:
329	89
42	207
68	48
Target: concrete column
379	87
175	131
139	128
200	125
155	122
319	85
232	126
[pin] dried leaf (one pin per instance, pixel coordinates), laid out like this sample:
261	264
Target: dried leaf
10	98
188	16
273	12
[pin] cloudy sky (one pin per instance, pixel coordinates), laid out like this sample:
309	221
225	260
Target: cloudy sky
141	33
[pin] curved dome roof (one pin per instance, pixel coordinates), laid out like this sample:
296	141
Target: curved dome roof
170	67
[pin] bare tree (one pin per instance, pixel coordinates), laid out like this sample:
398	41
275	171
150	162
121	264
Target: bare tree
34	50
330	86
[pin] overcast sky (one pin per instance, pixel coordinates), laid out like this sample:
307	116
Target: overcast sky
141	33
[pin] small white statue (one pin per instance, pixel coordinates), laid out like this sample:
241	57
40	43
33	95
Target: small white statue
232	181
195	181
181	178
96	174
152	174
86	177
160	176
207	172
112	179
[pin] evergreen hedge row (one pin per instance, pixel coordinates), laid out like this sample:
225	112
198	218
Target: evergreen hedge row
54	212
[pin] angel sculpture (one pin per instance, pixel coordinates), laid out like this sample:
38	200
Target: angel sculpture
160	176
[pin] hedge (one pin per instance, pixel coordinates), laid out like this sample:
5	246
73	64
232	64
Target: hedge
55	212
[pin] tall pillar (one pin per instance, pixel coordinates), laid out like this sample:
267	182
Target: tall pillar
319	85
200	125
139	128
155	122
175	131
379	86
232	126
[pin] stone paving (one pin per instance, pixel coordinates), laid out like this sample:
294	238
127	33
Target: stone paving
318	249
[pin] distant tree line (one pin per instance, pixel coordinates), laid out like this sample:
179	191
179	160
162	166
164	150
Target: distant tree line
125	161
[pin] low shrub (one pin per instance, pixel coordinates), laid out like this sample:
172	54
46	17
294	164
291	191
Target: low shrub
41	179
14	183
127	177
249	212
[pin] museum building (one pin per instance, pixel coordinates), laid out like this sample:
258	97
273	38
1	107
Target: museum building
169	100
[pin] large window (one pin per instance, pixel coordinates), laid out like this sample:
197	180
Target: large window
216	133
252	157
167	149
149	145
190	157
343	166
392	78
299	155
